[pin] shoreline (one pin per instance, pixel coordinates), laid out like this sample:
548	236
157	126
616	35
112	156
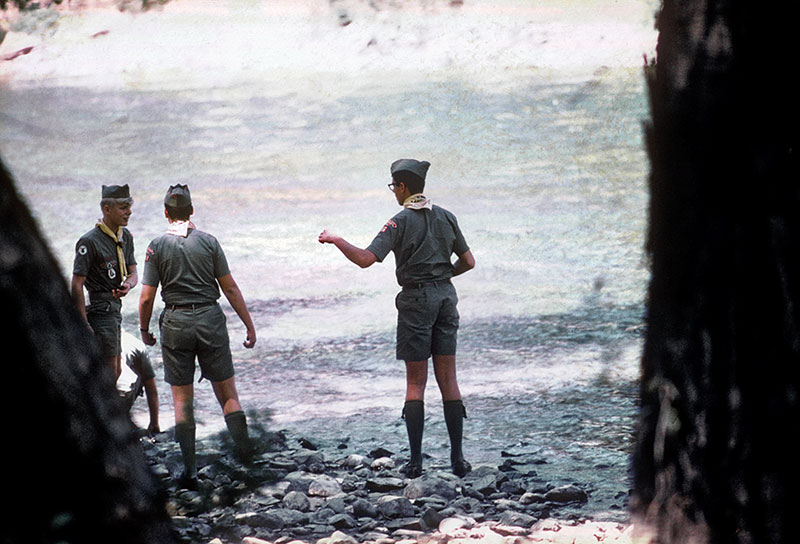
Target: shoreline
297	491
215	44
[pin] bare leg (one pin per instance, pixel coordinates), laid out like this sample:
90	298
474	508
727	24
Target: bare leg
444	368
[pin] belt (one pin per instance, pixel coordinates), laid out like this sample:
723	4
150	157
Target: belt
190	306
421	284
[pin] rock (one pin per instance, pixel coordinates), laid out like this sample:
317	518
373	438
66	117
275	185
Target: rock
324	486
431	518
427	486
451	524
382	463
380	452
517	518
260	519
342	521
395	507
381	485
362	508
566	493
246	540
338	537
297	500
531	498
354	461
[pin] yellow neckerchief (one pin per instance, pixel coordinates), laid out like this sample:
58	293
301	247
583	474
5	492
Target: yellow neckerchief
123	269
417	202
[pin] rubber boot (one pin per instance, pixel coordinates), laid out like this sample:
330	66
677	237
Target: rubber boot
414	414
454	414
237	426
185	436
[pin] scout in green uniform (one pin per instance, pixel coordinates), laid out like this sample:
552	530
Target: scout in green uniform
105	265
191	268
423	238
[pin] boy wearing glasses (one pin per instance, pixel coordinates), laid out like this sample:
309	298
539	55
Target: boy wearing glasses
423	237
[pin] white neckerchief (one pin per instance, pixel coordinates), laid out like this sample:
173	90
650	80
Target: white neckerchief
180	228
417	202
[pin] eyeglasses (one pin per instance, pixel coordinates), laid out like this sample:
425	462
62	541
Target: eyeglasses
392	186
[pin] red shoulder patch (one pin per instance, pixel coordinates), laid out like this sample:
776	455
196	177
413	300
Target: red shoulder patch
389	223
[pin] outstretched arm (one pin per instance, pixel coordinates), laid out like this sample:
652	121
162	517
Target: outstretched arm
361	257
231	291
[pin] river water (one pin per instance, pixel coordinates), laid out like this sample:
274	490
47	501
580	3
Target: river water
547	176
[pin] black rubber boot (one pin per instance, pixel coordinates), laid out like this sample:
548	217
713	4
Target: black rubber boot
237	426
454	415
185	436
414	414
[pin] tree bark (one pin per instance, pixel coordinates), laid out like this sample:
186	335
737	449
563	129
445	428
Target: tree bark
74	470
715	461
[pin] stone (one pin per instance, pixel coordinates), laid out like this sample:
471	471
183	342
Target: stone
382	463
566	493
260	519
324	486
395	507
362	508
342	521
297	500
531	498
452	524
382	485
355	461
428	486
517	518
431	518
338	537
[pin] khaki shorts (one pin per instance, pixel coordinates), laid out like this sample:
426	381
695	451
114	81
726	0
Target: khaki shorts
199	333
427	321
105	318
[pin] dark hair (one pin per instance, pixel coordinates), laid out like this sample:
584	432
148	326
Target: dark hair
414	183
179	214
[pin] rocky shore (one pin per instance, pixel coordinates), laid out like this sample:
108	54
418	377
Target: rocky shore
296	491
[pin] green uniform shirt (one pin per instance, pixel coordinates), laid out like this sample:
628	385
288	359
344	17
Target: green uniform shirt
187	267
96	259
423	242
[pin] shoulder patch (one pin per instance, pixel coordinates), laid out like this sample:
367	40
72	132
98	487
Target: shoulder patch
389	223
82	249
148	253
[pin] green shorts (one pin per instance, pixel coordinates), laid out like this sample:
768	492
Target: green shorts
105	318
199	333
427	321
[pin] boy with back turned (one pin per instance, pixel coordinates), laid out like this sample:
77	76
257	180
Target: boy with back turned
423	238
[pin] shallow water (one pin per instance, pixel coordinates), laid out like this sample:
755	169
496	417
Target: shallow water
547	180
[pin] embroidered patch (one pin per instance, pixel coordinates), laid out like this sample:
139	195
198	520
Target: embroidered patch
389	223
148	253
83	250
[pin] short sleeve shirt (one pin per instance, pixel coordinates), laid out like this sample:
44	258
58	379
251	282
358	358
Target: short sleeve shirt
96	259
423	242
187	267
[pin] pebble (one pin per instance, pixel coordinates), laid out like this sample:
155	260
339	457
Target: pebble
297	492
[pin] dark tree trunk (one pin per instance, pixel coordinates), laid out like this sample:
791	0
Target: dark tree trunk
715	459
73	470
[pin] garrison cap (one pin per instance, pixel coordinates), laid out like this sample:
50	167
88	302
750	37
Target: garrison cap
116	191
178	196
420	168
